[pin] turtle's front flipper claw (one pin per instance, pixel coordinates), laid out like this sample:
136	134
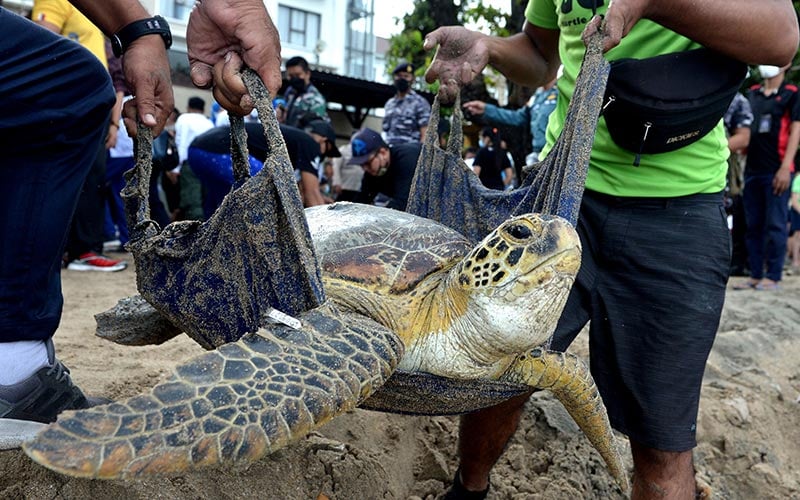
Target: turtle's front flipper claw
567	377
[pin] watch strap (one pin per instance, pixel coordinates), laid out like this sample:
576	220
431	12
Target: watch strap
157	25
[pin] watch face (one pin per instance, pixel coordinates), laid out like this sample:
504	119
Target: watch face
116	45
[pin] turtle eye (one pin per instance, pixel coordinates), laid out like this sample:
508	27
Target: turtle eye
519	231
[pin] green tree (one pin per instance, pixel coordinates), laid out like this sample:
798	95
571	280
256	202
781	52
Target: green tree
426	17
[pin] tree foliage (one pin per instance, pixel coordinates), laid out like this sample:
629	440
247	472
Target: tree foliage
428	15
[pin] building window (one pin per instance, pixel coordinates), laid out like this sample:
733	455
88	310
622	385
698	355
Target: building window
298	27
177	9
179	68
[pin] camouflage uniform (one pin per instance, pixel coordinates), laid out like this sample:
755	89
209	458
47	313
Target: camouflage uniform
404	117
306	107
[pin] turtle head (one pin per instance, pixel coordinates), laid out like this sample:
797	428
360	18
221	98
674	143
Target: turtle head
517	279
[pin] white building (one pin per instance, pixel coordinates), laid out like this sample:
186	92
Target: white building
334	36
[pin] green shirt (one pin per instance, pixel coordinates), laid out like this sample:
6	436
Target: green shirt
697	168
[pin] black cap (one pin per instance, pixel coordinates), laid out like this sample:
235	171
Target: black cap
323	128
364	144
404	66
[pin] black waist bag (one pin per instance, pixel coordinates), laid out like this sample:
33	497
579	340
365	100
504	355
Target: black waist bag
664	103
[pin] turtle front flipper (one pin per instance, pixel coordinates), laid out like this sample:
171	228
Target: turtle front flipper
567	377
232	405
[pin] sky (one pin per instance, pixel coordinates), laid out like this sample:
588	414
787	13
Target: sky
385	11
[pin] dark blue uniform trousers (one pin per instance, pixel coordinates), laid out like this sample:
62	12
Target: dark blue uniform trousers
55	99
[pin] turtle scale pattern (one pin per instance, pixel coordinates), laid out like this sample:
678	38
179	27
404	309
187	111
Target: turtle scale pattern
234	404
387	254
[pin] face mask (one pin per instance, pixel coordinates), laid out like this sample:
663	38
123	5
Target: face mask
481	144
382	171
401	84
768	71
297	83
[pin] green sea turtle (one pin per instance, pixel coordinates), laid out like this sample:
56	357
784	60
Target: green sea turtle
403	314
405	292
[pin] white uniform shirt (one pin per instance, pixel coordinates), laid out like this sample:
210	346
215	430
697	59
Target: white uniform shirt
187	127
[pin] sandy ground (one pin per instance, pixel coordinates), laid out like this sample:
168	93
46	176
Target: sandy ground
749	428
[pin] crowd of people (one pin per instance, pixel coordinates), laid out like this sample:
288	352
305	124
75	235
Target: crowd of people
648	360
764	218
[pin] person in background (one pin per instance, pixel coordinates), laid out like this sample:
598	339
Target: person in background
491	164
388	170
793	250
188	126
469	156
85	242
304	102
347	178
774	137
738	119
534	115
120	159
652	295
407	113
210	157
165	159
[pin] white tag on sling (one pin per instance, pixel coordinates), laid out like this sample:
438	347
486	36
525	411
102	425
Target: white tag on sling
283	318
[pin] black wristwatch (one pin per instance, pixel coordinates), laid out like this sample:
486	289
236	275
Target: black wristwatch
157	25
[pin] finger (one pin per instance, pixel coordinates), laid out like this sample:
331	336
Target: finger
433	39
466	73
448	90
202	75
432	73
129	116
591	28
228	85
613	28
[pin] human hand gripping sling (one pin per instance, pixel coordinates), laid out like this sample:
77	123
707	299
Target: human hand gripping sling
284	358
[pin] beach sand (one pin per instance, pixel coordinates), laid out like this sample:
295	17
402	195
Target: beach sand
748	429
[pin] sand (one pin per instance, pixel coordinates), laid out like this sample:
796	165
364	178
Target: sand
748	430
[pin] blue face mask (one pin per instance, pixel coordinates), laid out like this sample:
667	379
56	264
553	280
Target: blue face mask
481	144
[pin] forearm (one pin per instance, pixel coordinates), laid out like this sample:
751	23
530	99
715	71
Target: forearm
763	32
494	115
111	15
529	58
311	193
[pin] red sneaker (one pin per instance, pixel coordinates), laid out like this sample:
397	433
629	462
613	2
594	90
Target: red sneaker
91	261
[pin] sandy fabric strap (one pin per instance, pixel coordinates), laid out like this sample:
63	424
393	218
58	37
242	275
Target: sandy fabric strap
445	189
221	278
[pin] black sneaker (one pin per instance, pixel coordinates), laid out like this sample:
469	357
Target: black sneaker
42	396
37	400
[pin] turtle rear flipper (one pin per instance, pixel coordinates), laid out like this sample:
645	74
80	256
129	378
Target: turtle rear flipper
133	321
567	377
232	405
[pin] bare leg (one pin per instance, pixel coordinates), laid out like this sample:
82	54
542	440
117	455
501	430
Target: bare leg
482	439
662	474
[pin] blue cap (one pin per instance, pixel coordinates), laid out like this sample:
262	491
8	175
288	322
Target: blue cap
364	144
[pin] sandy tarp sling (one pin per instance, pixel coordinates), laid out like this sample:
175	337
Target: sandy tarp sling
446	190
219	279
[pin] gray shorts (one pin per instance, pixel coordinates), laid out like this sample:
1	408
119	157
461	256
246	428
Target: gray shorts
652	283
